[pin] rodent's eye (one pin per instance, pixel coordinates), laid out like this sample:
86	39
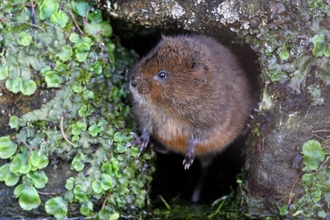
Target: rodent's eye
162	74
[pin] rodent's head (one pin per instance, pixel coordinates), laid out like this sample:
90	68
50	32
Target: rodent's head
170	74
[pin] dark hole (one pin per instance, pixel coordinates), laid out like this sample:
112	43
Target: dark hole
170	179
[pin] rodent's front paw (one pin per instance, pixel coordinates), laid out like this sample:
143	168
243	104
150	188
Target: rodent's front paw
142	142
187	162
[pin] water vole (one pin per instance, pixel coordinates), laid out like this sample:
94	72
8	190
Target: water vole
191	95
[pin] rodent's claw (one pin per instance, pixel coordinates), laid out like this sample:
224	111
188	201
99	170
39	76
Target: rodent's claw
187	162
142	142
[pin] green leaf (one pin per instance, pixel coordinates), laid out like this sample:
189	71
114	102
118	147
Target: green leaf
319	45
14	85
94	130
39	178
106	181
78	162
12	179
48	8
53	79
20	164
38	160
114	216
121	148
29	198
79	194
95	30
57	207
313	154
7	147
88	95
135	151
327	50
14	122
60	67
78	127
74	38
3	72
316	194
28	87
77	88
95	16
7	176
4	172
81	50
69	184
69	196
106	168
308	178
96	186
81	8
84	111
322	214
60	18
86	208
18	190
284	55
106	29
97	68
65	53
111	46
24	39
118	137
81	56
284	210
24	15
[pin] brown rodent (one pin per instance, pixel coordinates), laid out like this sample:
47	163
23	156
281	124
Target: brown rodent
191	95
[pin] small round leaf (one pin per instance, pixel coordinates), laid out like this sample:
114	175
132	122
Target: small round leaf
60	18
48	8
57	207
106	181
313	154
29	198
20	164
24	39
38	160
65	53
53	79
39	178
7	147
3	72
81	8
13	122
28	87
14	85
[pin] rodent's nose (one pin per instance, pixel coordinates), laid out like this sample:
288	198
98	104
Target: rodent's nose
133	83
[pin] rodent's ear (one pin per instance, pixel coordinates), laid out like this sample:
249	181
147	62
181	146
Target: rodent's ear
164	37
199	71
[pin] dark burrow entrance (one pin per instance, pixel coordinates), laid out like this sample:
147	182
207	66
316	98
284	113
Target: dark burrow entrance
170	180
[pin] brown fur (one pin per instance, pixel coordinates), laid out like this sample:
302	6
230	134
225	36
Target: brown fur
206	96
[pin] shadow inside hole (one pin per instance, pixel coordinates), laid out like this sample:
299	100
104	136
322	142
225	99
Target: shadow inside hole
170	179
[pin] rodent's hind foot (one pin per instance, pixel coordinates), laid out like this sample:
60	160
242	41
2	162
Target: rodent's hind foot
142	141
187	162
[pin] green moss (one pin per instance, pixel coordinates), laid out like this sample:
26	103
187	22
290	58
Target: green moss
313	202
91	90
285	48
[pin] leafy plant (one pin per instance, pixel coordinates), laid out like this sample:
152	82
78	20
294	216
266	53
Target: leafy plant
315	184
78	121
321	48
